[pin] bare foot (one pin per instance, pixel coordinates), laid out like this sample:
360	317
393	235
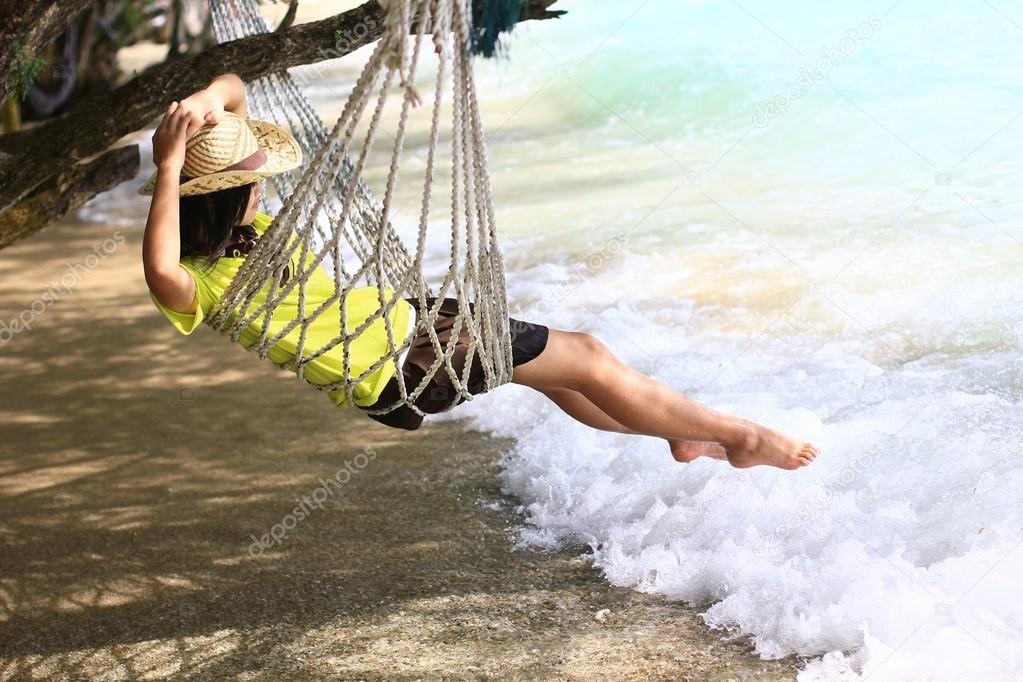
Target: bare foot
688	450
762	445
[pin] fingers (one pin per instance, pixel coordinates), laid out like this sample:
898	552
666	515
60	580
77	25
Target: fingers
172	111
181	120
191	126
183	126
197	116
171	108
174	124
177	117
172	115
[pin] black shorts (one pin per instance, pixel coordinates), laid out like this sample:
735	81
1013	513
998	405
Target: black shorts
528	341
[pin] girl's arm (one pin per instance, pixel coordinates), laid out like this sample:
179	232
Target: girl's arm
161	243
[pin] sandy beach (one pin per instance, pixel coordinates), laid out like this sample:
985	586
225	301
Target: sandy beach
142	470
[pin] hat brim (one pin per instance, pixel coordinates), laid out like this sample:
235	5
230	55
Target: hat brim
282	150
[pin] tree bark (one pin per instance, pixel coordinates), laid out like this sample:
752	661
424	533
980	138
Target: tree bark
29	157
30	25
68	192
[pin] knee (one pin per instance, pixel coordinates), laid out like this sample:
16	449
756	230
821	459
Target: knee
594	361
590	346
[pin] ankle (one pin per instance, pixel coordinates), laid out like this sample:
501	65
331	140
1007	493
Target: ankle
744	437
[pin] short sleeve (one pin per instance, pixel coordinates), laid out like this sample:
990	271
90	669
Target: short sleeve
261	221
186	323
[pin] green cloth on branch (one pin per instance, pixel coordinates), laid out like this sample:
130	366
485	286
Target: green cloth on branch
497	17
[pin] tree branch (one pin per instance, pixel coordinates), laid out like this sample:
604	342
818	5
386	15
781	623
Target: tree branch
538	9
68	192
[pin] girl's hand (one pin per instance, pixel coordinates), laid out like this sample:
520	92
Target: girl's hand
203	107
169	139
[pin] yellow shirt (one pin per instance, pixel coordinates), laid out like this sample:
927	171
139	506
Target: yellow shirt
364	351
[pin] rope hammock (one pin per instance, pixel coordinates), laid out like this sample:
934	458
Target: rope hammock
329	212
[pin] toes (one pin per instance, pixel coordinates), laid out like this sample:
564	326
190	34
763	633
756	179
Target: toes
809	451
682	456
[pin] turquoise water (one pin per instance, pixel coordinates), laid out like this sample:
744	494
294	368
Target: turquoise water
656	128
813	229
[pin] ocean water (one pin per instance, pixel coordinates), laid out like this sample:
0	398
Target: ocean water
807	214
803	213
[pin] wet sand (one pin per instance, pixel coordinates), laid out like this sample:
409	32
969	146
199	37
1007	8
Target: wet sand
136	465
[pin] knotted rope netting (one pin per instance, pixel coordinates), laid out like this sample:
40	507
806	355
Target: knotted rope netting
329	212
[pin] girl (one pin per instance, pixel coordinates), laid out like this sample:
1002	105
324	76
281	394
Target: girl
203	220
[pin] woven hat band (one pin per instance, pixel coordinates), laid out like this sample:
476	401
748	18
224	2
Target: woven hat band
251	162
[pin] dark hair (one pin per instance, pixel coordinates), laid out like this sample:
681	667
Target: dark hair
207	221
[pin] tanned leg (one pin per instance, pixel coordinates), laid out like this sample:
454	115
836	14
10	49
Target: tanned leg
580	362
579	407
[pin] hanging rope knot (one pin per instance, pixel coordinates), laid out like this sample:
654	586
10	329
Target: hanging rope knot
394	60
412	93
394	56
395	32
398	19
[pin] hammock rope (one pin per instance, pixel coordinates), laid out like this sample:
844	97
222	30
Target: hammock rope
330	214
277	97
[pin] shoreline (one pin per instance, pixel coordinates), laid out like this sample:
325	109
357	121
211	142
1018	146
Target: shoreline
141	464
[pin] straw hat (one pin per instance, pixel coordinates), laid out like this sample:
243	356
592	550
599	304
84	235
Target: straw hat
233	152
